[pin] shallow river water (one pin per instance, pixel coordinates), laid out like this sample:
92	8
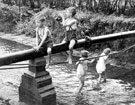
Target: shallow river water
118	91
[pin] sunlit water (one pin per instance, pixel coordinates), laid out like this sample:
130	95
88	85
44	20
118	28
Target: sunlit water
66	82
7	46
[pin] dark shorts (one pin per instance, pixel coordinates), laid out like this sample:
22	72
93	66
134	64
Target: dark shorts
70	35
48	44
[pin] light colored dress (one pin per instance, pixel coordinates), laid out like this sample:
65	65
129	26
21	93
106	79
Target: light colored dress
82	68
101	64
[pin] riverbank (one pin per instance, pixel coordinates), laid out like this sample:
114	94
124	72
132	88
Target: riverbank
118	91
23	39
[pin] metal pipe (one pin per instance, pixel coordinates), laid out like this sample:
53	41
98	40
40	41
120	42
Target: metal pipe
31	54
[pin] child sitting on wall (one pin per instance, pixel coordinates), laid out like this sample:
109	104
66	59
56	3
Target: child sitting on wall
71	24
44	38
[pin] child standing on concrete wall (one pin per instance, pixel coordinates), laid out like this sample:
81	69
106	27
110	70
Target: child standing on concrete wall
44	38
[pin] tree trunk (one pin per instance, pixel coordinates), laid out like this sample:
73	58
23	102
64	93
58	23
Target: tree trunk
32	5
39	3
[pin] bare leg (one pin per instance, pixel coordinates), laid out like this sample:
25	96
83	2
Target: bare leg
99	79
64	40
104	76
65	53
70	57
81	79
49	51
71	45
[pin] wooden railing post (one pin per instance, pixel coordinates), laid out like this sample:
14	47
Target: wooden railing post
36	87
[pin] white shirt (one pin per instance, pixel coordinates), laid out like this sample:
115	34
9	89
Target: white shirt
82	67
101	64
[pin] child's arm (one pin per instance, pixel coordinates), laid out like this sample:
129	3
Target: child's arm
44	38
91	61
42	42
63	19
106	59
65	24
77	62
69	24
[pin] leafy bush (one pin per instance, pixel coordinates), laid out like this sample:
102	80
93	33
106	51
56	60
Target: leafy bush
26	27
103	25
8	18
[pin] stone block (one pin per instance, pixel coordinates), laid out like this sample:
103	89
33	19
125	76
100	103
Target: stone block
36	87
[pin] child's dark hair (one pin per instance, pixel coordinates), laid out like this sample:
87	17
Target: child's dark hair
84	53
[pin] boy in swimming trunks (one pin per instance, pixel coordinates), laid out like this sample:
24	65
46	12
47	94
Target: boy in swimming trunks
71	25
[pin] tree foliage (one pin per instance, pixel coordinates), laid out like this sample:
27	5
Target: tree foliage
126	7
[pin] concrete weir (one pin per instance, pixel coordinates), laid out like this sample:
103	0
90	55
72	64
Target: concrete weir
36	87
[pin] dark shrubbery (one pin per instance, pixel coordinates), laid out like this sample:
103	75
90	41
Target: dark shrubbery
103	25
26	27
8	17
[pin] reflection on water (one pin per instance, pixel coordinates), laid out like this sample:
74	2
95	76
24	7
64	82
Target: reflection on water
7	46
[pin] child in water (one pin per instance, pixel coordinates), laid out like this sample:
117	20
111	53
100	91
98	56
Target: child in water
44	38
82	68
101	65
71	25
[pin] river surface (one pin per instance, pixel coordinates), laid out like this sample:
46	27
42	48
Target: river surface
7	46
118	91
